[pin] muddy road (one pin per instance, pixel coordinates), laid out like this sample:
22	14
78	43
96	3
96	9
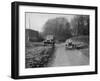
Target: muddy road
69	57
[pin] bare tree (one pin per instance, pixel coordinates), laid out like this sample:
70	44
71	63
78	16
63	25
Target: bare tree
59	27
80	25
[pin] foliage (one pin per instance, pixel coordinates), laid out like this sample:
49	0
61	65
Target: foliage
39	56
80	25
84	39
59	27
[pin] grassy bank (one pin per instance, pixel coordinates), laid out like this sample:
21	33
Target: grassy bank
84	39
38	55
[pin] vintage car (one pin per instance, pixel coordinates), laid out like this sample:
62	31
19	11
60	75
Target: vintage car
74	45
49	40
70	45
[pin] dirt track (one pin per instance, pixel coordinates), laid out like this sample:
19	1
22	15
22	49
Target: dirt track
65	57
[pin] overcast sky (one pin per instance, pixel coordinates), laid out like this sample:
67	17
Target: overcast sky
36	21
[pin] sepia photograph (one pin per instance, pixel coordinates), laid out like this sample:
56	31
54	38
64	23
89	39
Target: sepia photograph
56	40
